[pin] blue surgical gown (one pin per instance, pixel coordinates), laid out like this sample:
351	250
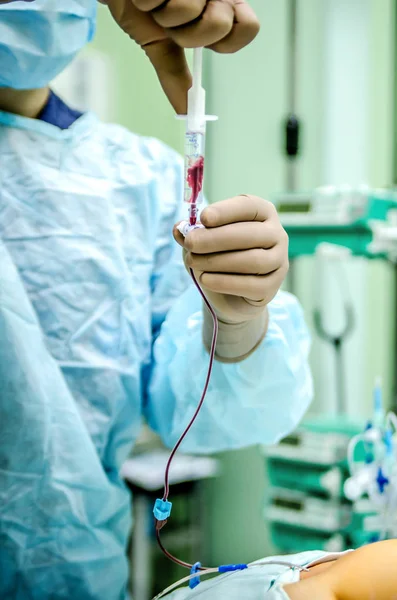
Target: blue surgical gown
100	326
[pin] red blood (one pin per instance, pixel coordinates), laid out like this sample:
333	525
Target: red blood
195	178
193	215
195	181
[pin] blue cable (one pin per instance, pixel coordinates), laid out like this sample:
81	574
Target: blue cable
229	568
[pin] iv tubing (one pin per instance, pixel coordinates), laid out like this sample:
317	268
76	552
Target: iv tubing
216	570
192	420
210	366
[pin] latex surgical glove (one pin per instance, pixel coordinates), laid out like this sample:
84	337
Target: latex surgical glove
240	259
164	29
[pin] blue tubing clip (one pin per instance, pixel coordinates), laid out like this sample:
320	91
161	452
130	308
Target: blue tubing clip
229	568
162	509
195	580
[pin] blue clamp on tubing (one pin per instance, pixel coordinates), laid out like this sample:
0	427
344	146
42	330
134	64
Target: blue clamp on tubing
382	481
228	568
195	580
162	509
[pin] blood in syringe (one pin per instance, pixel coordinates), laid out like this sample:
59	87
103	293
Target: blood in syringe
195	175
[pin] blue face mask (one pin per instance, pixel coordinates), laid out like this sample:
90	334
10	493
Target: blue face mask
39	39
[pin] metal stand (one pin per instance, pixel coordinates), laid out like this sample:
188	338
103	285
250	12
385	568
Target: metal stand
292	124
141	547
337	342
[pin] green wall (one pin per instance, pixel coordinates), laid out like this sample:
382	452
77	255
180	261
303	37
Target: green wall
136	98
248	91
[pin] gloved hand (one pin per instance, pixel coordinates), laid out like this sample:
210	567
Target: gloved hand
164	29
240	259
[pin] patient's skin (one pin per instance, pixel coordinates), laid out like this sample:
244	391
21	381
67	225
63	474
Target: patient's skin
367	574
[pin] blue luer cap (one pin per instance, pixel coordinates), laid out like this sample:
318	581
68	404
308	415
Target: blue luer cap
162	509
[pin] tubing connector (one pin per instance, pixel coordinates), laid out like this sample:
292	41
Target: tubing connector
195	580
162	510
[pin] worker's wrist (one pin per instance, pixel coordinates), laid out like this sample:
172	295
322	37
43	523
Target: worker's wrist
236	341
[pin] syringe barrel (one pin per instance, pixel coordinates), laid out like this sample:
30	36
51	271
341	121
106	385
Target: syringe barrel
194	167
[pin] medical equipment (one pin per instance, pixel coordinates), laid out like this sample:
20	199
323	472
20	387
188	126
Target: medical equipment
343	215
337	255
258	582
305	507
333	485
306	511
292	124
144	475
327	481
195	577
373	474
162	507
195	140
385	237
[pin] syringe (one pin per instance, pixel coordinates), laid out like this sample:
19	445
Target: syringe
195	139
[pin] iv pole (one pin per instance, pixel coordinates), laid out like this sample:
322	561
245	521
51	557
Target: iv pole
292	122
291	132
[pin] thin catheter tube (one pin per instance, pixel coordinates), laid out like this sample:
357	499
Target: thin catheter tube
207	381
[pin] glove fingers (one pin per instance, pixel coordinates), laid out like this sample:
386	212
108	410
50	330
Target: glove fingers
245	29
260	288
167	58
237	209
247	262
147	5
139	25
238	236
178	13
222	25
172	70
215	23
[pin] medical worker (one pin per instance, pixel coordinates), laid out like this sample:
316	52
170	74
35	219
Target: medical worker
100	325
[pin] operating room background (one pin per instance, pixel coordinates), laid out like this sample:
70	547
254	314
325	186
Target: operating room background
345	100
